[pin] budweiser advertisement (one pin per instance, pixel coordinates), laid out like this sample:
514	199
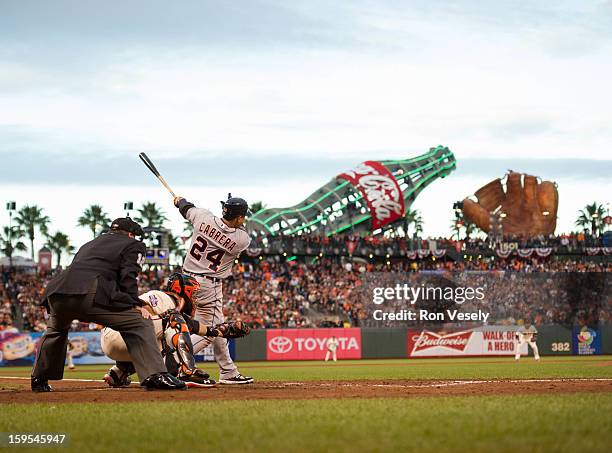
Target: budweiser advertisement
311	344
474	342
380	190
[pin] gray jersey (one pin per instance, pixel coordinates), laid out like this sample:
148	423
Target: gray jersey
526	333
214	246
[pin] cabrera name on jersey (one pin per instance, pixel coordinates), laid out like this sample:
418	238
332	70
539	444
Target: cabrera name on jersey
214	245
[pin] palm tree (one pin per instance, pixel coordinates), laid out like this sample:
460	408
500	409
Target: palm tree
414	218
459	223
59	243
456	226
29	218
175	247
257	206
151	215
10	240
188	227
592	216
94	217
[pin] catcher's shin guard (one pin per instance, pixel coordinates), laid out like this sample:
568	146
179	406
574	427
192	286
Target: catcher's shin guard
178	340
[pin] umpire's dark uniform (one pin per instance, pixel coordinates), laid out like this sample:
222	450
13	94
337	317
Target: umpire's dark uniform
100	286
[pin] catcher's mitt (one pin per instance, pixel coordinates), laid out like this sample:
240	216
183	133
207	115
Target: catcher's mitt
232	329
530	206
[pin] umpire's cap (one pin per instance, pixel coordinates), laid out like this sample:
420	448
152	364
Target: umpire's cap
128	225
235	207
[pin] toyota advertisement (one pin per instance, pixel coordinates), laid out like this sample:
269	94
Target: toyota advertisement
474	342
311	344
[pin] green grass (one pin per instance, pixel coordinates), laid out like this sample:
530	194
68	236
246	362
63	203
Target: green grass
487	368
553	422
560	423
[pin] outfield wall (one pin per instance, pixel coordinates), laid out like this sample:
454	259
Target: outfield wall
18	348
385	343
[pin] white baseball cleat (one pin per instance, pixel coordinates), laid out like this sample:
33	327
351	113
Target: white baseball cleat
237	380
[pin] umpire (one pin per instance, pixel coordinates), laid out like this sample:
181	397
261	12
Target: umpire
101	286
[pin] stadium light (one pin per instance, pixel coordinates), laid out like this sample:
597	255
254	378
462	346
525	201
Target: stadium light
127	207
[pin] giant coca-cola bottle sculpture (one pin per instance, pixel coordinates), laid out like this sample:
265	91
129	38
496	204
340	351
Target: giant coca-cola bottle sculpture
365	200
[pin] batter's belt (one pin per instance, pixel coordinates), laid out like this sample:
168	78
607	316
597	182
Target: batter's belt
206	276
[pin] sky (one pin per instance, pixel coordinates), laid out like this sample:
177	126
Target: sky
271	99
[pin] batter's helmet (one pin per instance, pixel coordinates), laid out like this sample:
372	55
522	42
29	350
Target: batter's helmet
184	286
234	207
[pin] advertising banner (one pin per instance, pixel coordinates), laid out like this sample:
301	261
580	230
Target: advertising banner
19	348
472	342
586	341
380	190
311	344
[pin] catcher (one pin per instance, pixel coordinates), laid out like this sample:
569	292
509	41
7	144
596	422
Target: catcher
171	312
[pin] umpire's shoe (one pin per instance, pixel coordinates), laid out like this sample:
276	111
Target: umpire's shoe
237	380
163	381
199	379
40	385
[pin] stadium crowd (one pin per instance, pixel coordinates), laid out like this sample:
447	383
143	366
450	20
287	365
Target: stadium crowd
345	245
274	292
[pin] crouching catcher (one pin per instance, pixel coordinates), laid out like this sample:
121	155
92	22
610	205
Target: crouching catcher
171	312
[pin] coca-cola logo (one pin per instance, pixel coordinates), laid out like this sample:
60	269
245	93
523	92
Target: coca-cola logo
426	340
380	190
280	345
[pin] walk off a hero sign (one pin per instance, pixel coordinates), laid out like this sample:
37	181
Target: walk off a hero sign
471	342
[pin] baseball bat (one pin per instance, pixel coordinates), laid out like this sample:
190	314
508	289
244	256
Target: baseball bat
145	159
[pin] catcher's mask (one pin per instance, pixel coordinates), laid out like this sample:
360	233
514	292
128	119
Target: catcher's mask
183	286
234	207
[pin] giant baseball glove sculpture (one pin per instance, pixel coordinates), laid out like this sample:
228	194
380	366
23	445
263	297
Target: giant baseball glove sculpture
530	206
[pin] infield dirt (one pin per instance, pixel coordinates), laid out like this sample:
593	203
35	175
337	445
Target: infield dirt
17	390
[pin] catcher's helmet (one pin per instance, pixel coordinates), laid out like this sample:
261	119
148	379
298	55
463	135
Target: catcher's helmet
184	286
234	207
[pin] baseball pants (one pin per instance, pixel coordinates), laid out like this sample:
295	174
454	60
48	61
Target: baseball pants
114	346
332	353
69	359
534	348
208	301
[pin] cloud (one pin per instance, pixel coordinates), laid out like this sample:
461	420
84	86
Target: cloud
230	168
271	77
